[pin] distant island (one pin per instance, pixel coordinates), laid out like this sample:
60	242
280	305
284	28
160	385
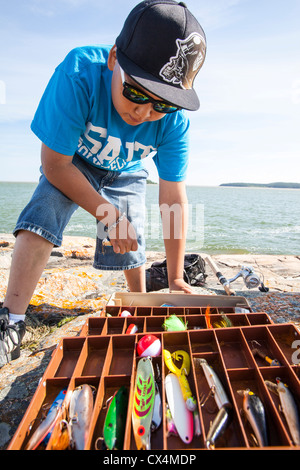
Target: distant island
269	185
150	182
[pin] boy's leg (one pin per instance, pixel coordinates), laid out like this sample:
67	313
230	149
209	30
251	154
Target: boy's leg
30	256
136	279
38	229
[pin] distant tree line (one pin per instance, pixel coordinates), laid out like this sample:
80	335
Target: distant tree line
269	185
150	182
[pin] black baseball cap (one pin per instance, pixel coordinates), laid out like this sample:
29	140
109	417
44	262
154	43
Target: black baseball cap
162	47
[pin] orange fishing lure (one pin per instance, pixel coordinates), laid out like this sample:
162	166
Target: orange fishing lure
207	317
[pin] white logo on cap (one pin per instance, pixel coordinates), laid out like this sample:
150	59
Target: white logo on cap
182	68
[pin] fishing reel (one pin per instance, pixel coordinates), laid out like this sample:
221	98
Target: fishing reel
250	278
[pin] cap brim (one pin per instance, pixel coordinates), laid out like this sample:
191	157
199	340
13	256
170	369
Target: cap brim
186	99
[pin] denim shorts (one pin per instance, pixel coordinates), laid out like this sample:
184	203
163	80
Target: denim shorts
49	211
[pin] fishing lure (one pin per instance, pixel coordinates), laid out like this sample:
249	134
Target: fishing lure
61	434
182	374
197	423
224	415
171	428
115	420
174	323
255	414
288	407
80	413
224	323
219	426
214	383
157	408
43	432
207	317
143	403
182	417
265	357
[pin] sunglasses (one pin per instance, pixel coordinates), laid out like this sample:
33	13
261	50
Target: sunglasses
137	96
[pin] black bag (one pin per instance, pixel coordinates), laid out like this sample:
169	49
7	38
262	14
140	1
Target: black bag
193	273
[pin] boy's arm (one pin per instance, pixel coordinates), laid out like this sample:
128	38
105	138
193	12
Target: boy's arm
65	176
174	212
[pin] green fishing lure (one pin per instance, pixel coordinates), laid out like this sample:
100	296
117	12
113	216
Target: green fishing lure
115	420
143	403
174	323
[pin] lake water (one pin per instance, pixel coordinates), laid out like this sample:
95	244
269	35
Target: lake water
222	219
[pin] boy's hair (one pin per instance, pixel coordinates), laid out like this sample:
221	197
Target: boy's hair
162	47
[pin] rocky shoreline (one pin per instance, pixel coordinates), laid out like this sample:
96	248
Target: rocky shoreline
70	290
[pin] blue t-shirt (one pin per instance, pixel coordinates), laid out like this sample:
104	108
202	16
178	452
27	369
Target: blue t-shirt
76	114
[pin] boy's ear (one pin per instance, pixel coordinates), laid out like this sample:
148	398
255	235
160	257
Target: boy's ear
112	58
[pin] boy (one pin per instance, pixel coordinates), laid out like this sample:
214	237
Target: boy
103	111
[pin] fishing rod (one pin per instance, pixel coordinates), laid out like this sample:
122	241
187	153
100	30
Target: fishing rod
250	278
222	279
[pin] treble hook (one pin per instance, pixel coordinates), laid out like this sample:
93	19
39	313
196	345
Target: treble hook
203	401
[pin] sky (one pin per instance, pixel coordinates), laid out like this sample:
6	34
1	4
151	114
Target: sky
247	128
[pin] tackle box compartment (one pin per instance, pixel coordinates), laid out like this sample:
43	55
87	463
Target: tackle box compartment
106	358
155	323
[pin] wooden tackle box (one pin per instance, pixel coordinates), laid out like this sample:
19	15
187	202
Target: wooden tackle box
106	358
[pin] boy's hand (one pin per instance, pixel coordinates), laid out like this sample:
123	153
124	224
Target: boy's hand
65	176
180	285
123	237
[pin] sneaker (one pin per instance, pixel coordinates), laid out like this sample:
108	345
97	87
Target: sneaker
10	337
